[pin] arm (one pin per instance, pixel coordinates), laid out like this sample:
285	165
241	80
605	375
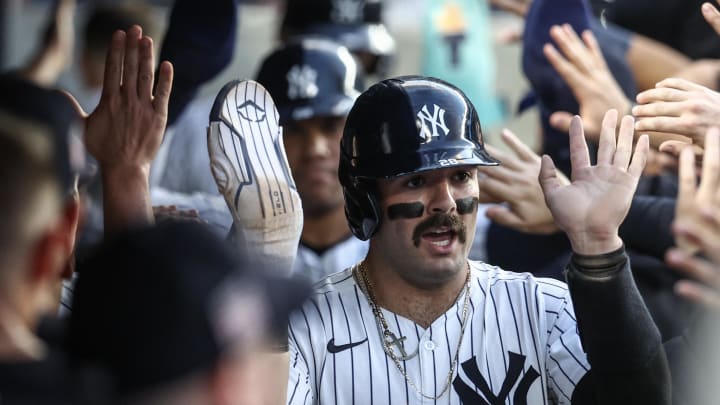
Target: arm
621	340
126	129
628	364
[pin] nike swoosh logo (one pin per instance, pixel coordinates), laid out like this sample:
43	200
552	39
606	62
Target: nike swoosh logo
337	349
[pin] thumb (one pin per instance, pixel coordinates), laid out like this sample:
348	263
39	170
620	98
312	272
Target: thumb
560	120
548	177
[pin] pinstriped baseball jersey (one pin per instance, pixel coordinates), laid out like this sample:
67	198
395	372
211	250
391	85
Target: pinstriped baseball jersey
520	346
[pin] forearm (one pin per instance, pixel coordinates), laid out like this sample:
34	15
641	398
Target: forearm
126	198
622	343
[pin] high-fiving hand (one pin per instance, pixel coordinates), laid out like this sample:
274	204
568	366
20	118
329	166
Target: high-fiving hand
127	126
591	209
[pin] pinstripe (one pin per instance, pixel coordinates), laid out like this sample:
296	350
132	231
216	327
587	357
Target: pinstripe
332	330
369	369
562	342
260	164
268	153
434	369
499	329
407	393
535	341
352	358
512	311
560	365
312	351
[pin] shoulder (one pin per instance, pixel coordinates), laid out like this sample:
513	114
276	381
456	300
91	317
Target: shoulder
336	282
489	276
329	291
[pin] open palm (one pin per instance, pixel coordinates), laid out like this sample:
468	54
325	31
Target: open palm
591	208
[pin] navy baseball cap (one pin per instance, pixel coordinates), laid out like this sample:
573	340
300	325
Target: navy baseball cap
54	112
154	305
311	77
356	24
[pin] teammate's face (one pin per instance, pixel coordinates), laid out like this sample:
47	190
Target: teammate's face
428	223
313	151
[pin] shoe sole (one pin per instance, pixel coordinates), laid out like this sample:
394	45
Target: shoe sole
251	137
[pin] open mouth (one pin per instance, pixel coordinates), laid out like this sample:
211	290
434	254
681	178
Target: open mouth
440	237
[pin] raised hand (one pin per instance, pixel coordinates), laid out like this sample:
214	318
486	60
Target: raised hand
515	182
127	127
697	225
694	200
678	106
591	209
125	130
582	66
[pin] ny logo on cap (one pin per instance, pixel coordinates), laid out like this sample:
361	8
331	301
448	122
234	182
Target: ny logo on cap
302	82
347	11
429	123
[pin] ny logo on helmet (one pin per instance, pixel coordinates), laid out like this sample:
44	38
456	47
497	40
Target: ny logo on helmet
347	11
302	82
430	123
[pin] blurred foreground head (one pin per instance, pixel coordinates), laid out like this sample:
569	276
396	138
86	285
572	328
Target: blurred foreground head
170	314
39	166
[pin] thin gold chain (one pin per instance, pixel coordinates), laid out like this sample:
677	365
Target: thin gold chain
388	337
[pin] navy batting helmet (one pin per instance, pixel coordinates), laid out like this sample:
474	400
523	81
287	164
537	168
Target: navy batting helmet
399	126
311	77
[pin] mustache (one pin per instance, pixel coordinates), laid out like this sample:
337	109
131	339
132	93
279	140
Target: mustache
440	220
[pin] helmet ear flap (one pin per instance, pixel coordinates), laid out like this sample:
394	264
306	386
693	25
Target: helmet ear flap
362	207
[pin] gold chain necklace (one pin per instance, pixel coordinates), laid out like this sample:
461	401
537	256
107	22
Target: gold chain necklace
389	339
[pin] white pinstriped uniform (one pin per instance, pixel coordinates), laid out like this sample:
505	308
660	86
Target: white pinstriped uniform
314	267
521	346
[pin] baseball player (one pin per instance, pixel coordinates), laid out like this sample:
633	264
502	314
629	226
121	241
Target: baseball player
415	322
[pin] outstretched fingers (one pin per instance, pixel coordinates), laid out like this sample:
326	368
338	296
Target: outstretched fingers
623	150
114	65
640	156
130	63
163	89
607	143
579	154
146	69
